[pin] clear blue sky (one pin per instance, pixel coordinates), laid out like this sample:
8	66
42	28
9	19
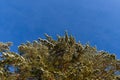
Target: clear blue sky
96	21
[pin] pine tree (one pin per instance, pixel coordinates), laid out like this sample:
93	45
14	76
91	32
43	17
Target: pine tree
61	59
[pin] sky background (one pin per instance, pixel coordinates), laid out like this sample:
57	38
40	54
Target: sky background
96	21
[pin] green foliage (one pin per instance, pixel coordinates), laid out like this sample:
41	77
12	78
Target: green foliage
61	59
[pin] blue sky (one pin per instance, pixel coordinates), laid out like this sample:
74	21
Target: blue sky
96	21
